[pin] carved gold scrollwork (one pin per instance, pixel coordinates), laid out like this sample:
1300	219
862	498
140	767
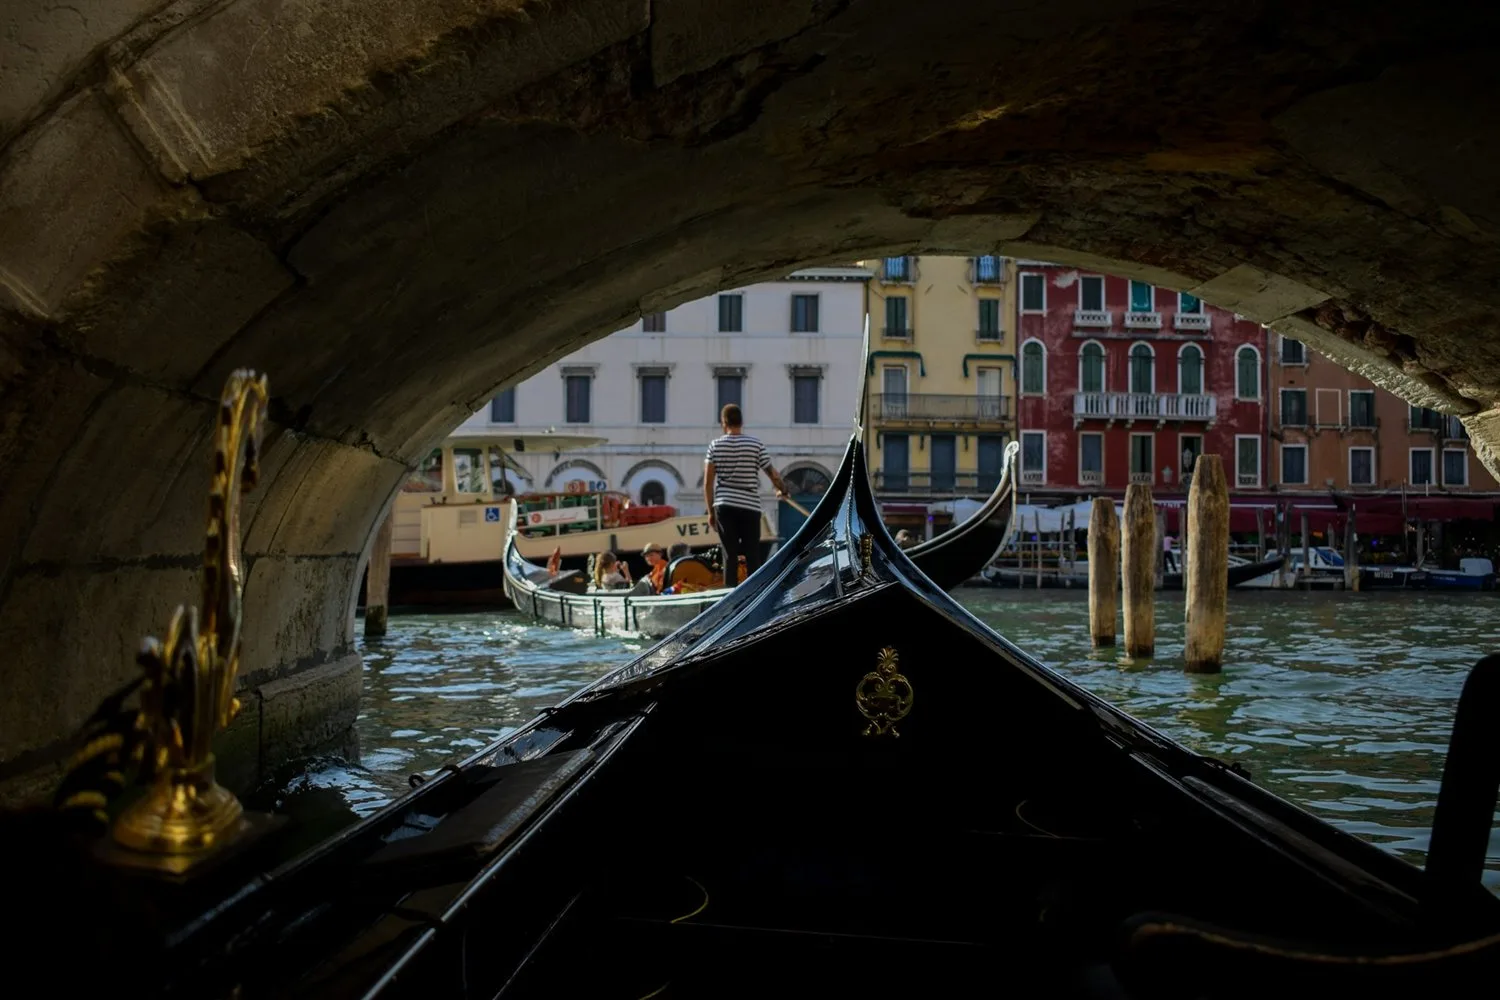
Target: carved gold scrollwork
884	695
188	682
866	547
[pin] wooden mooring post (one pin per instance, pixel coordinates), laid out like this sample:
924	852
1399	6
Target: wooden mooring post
1351	554
1138	571
1206	576
1104	566
378	580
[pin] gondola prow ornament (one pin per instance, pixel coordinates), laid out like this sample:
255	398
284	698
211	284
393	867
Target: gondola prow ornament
186	685
884	695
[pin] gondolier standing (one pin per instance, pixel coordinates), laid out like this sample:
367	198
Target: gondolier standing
731	491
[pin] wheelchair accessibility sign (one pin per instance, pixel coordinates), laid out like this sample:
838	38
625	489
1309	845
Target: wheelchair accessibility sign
492	514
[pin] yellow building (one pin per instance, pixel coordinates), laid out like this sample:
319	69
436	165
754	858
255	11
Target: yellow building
942	380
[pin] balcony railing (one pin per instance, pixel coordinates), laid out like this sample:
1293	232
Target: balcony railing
1247	479
987	270
1090	477
934	406
1143	406
934	483
1093	318
1142	320
896	332
898	270
989	336
1143	477
1191	321
1032	477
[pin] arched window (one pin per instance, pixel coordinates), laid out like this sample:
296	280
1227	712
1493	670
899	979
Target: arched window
1247	373
809	480
1091	368
1190	370
653	493
1142	369
1034	367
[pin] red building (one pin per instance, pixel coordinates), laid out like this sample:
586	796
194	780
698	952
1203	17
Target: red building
1122	382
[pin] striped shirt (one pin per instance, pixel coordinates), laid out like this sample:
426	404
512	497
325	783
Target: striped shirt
738	460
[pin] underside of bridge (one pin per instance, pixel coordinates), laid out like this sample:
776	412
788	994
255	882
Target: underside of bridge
393	207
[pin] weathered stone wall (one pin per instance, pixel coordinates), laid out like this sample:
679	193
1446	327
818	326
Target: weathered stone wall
391	207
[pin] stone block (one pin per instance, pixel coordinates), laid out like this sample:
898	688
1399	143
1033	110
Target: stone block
691	35
323	501
1484	432
970	234
294	612
308	710
71	189
132	485
1258	295
72	636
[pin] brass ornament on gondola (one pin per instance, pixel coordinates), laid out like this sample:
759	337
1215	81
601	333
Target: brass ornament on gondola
884	695
186	685
866	548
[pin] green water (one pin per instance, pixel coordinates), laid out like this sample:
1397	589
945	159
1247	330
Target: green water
1339	702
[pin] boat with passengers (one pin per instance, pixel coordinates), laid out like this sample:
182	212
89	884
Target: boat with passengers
834	781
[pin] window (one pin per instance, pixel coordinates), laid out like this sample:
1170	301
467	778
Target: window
1142	458
1091	293
804	314
1090	459
986	270
1294	464
1247	460
897	462
1142	369
1247	373
729	388
1189	304
1294	407
731	313
1361	466
808	481
1190	370
654	322
1293	352
1421	466
428	476
653	396
503	407
1142	297
1190	447
895	317
578	391
991	460
805	398
1423	419
653	493
893	392
1455	467
1033	293
1033	367
896	268
991	403
1454	429
1091	368
1361	408
989	319
1034	456
943	461
468	470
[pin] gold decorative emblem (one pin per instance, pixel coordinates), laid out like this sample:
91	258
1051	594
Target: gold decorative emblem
186	685
884	695
866	546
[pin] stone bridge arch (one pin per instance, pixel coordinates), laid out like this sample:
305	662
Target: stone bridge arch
393	207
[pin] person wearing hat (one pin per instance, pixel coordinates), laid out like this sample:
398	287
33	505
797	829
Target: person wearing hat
656	567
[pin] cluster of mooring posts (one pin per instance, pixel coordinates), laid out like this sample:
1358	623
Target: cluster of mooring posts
1133	556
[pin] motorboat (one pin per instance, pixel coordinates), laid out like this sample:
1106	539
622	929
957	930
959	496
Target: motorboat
833	781
1324	568
1076	574
1473	573
565	598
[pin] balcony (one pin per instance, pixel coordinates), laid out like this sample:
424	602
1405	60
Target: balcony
1144	478
936	483
1157	406
898	270
1032	477
1248	479
986	271
1090	477
989	336
1192	322
896	332
1094	318
936	408
1142	320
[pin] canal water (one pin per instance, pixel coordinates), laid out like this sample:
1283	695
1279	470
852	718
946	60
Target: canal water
1339	702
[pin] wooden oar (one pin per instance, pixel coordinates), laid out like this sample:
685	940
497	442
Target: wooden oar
796	506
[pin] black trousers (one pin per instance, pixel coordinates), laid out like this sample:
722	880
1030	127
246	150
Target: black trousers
739	535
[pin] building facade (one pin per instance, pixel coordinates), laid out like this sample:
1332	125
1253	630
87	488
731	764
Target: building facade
1335	430
788	352
1122	382
941	380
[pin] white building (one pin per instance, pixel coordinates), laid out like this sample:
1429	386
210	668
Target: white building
787	351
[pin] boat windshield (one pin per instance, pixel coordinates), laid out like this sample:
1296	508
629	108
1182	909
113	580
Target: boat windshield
426	477
468	470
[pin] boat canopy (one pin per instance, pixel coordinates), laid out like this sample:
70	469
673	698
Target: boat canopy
511	442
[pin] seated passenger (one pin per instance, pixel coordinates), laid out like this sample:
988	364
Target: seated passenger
610	573
656	564
554	562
